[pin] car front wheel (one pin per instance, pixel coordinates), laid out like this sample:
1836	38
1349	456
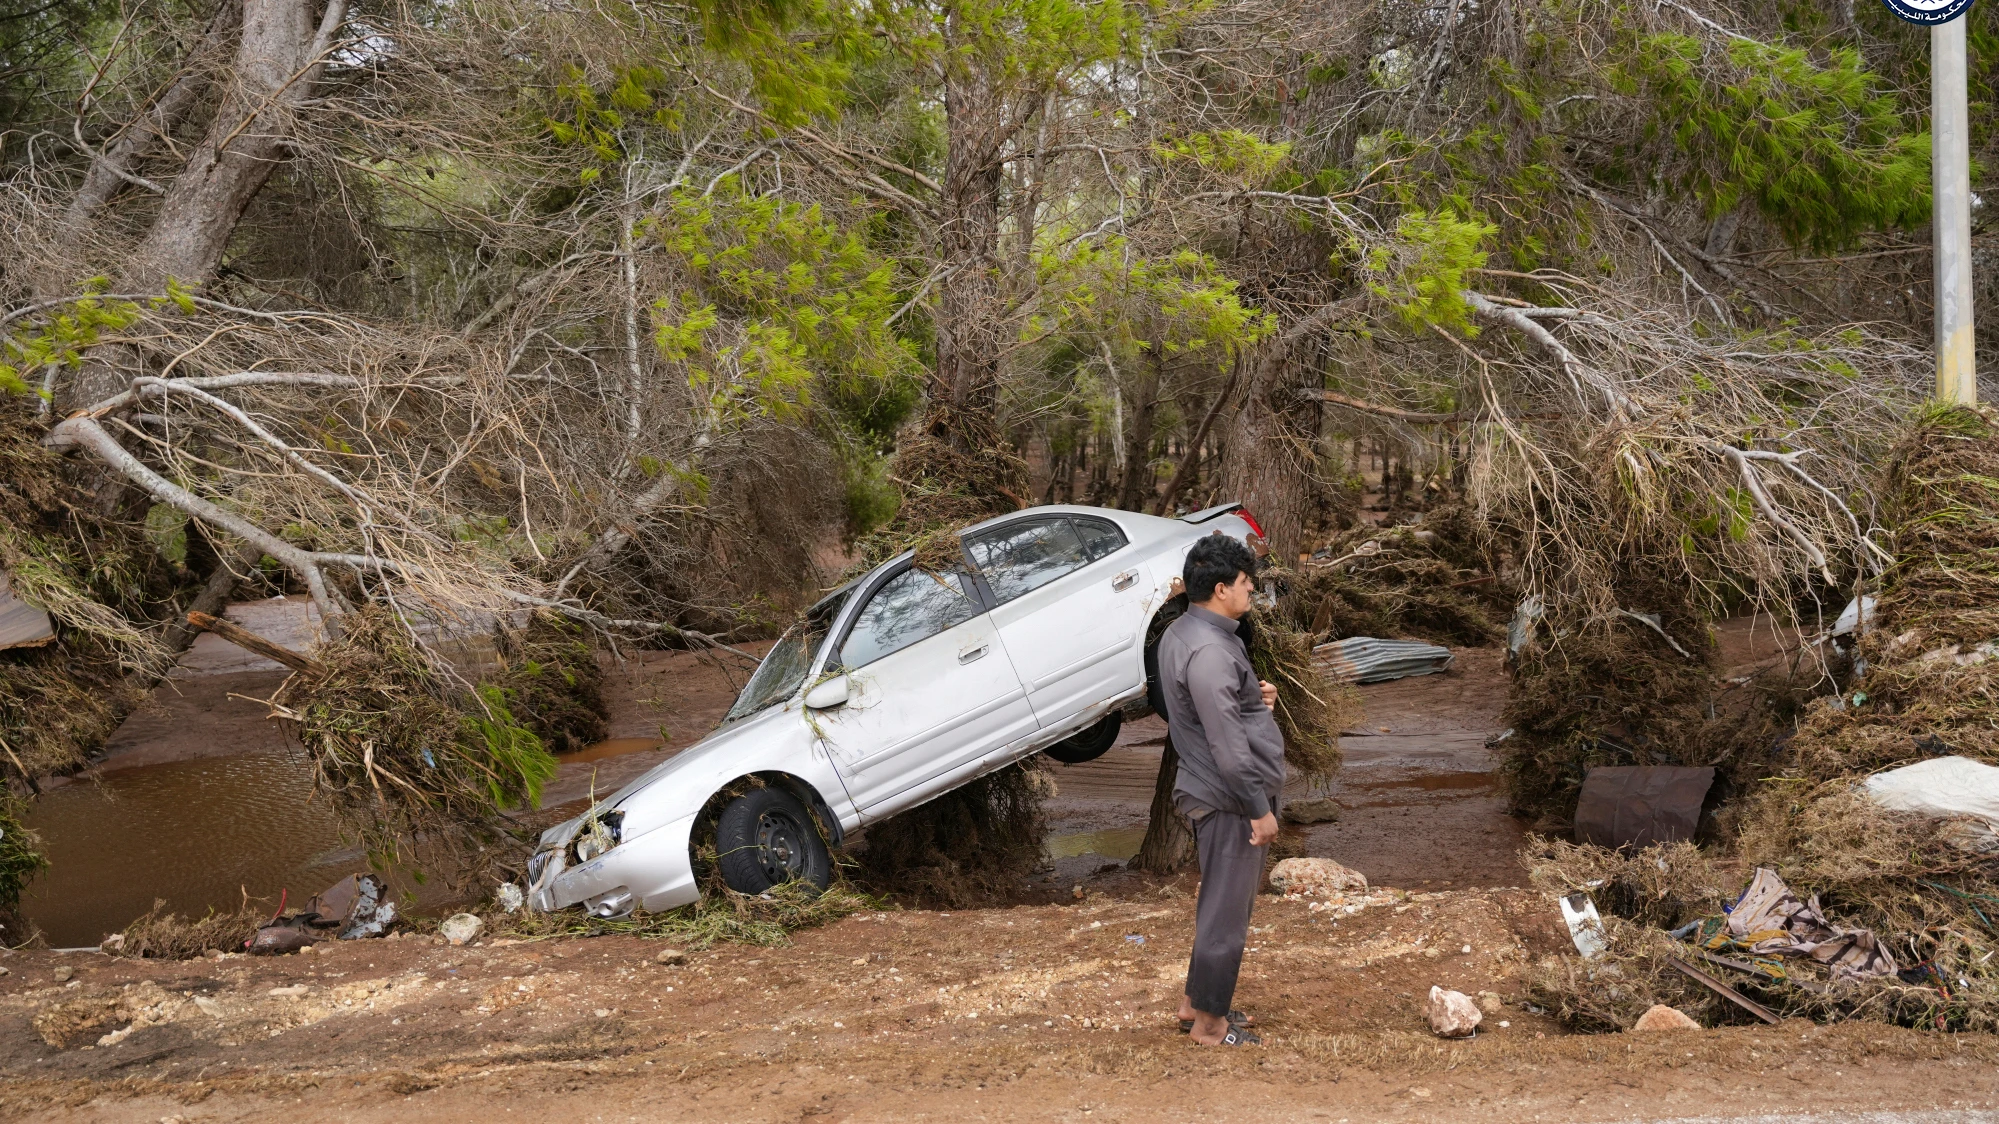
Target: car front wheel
764	838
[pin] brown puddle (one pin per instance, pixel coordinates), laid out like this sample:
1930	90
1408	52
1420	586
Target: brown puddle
198	833
1112	843
610	747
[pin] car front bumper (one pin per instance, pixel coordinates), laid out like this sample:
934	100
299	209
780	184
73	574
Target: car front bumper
654	871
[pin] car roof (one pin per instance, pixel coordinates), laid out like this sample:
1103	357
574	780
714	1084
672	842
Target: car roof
1115	515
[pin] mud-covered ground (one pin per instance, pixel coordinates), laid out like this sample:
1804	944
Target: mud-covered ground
1056	1007
1031	1012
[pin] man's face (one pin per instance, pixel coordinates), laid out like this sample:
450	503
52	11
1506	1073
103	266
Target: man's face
1232	600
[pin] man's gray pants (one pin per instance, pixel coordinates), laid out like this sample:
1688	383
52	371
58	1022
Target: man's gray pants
1230	872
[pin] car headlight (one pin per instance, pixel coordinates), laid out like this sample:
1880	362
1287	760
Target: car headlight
597	835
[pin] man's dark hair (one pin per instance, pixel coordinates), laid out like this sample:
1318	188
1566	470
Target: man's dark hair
1215	560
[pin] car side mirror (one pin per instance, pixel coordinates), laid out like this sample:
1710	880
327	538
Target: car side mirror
827	695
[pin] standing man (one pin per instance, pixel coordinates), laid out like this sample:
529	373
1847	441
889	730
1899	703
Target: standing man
1231	772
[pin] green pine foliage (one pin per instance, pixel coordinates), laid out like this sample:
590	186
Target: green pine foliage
1820	147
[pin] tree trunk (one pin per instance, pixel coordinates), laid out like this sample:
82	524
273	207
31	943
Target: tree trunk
113	168
279	57
1136	487
1263	468
966	390
1168	846
1262	471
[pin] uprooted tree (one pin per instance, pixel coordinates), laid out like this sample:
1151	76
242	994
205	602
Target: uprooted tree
618	317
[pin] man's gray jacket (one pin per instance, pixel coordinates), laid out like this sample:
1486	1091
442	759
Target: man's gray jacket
1231	754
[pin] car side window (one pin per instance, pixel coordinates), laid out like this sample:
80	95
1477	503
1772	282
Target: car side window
1025	556
912	606
1101	537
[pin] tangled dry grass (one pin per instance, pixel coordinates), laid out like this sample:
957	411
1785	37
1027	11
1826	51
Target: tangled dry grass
722	916
420	766
1436	581
163	935
1310	711
1927	690
967	847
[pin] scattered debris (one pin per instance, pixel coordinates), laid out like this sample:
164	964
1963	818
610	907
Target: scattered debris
21	625
1520	630
1858	616
510	897
1453	1014
1364	659
1639	805
1321	810
1661	1017
1314	877
1945	786
356	906
1723	990
1770	920
293	934
1585	926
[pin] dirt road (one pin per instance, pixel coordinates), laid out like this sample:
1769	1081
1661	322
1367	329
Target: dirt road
1034	1012
1059	1009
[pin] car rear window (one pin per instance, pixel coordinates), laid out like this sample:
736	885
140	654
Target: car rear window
1101	537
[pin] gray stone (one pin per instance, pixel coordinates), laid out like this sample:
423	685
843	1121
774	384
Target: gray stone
461	928
1323	810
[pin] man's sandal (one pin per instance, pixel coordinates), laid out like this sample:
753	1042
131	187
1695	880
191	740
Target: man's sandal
1240	1036
1236	1019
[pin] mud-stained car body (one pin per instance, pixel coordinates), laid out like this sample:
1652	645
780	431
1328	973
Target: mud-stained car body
899	686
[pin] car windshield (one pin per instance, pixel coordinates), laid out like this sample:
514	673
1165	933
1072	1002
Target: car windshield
783	668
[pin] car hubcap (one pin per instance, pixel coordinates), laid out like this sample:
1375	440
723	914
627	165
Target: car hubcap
780	847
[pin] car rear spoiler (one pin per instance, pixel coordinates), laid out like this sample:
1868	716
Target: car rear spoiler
1220	510
1208	513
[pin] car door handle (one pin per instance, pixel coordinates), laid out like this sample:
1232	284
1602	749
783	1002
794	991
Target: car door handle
1123	581
971	654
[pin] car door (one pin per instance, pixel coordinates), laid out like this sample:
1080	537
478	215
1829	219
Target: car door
930	689
1069	601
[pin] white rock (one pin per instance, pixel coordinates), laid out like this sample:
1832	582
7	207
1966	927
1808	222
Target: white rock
1452	1013
1662	1017
1315	877
510	897
461	928
670	956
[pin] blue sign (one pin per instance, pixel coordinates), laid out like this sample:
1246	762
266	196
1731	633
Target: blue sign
1928	12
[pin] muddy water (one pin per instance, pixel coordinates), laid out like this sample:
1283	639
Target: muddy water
197	833
201	833
1117	843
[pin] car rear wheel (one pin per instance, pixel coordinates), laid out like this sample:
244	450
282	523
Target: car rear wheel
1090	744
764	838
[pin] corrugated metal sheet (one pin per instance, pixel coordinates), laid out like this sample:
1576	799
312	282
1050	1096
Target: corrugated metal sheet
1364	659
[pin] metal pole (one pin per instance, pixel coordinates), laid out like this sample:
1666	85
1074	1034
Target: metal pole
1950	192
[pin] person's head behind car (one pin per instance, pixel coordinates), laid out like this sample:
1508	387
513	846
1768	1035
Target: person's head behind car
1216	564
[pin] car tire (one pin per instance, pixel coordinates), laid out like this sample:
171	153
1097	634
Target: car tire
1090	744
764	838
